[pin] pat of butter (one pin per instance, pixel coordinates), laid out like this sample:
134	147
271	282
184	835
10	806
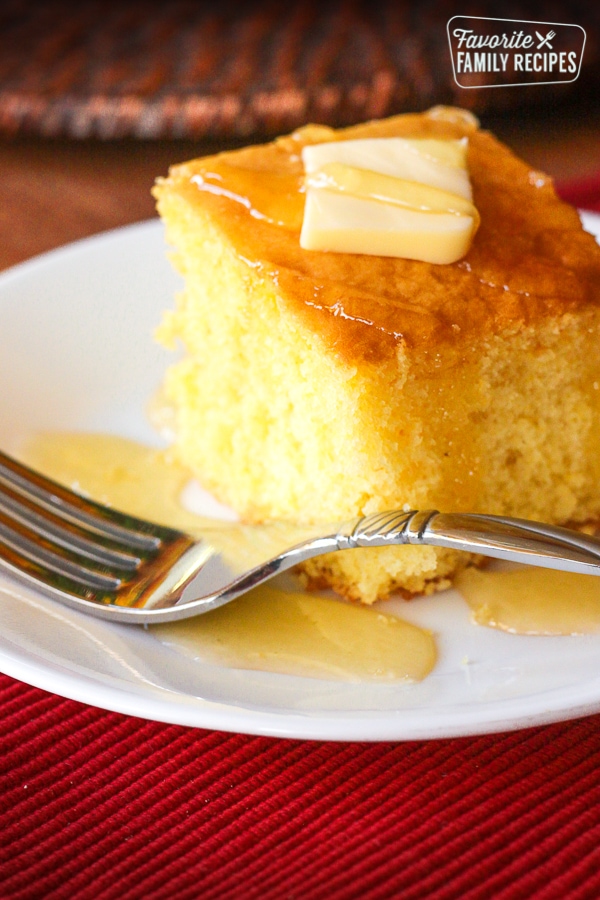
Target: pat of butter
441	164
389	197
387	189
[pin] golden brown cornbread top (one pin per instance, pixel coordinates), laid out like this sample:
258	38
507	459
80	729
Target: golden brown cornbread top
530	259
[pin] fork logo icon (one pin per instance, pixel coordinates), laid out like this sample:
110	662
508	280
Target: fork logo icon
545	41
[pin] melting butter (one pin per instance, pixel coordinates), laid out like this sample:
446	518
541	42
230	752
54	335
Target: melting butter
436	162
285	631
389	197
533	600
386	189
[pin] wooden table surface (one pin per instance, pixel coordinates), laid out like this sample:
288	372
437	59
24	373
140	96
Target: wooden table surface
56	191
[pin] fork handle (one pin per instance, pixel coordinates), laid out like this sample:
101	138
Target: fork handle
514	540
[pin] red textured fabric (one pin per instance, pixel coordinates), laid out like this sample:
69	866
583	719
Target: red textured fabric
583	194
99	806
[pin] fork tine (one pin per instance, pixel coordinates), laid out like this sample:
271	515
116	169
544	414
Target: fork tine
75	547
64	572
126	530
47	526
47	562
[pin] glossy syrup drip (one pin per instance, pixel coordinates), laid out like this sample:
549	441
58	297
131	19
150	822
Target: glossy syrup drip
271	629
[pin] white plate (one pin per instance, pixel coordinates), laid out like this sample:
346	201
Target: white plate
76	353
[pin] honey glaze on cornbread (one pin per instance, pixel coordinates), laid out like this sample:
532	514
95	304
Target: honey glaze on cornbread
518	270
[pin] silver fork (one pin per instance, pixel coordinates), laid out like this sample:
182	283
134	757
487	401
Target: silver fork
118	567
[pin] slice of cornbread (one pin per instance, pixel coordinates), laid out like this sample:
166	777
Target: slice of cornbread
320	386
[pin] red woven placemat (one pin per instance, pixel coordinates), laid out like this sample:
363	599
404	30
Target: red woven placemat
99	805
584	194
225	69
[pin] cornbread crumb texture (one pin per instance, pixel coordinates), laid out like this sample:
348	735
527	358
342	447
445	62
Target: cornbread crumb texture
323	386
